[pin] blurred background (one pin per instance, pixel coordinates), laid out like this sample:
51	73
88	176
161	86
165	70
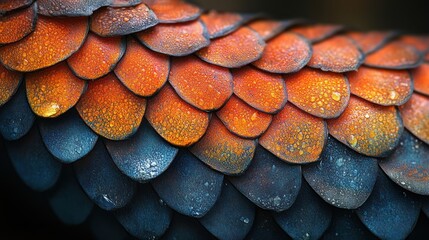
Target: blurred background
410	15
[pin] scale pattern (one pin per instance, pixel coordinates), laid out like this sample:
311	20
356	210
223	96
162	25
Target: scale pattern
214	124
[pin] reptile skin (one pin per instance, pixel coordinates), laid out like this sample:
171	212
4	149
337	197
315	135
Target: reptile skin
155	119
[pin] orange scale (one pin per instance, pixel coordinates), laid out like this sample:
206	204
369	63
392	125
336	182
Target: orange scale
178	39
421	43
322	94
295	136
261	90
53	91
53	40
175	120
368	128
415	114
114	21
285	53
7	5
371	41
268	29
97	56
16	25
224	151
381	86
109	109
317	32
242	119
394	55
221	23
141	70
203	85
336	54
234	50
9	83
173	11
427	57
421	78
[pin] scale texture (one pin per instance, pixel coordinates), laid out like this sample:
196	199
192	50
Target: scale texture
166	121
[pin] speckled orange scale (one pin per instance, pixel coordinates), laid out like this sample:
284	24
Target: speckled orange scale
203	85
9	82
370	41
109	109
6	6
415	116
175	120
295	136
267	28
174	11
261	90
322	94
224	151
17	25
242	119
336	54
235	50
419	42
221	23
176	39
285	53
317	32
53	91
421	78
97	56
141	70
53	40
367	128
394	55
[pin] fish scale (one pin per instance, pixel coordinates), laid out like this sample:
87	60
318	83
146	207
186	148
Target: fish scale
242	98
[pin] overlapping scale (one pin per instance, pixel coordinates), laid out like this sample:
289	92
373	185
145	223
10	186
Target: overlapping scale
143	157
408	166
390	212
175	120
322	94
264	227
220	24
242	119
425	206
178	39
67	137
223	150
268	182
102	181
308	218
16	117
234	50
34	164
53	40
421	43
203	85
346	225
394	55
145	217
295	136
261	90
104	225
141	70
183	227
336	54
286	53
68	201
268	28
6	6
371	41
112	21
54	90
109	109
381	86
317	32
16	25
97	56
78	7
188	186
415	116
343	177
173	11
231	217
421	79
367	128
9	83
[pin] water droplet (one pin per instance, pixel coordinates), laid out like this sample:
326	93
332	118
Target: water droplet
336	96
352	140
393	95
245	220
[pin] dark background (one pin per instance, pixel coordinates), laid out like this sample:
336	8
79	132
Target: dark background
25	213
